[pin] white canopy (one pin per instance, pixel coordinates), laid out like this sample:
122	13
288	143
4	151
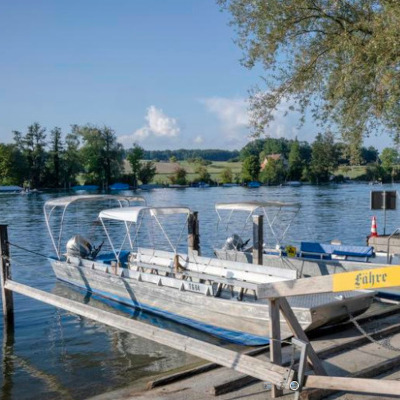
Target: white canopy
251	206
67	200
127	214
132	214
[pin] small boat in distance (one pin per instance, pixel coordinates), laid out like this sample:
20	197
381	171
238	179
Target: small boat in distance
254	184
85	188
119	186
215	296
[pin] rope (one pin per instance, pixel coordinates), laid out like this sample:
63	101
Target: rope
385	343
27	250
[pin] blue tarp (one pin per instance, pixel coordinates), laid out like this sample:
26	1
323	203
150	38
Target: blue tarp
337	249
119	186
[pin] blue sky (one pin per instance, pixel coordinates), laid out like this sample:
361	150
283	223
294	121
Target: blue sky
162	73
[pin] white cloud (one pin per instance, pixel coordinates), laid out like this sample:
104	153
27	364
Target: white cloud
158	125
233	114
198	139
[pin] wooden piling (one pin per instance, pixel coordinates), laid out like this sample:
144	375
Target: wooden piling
5	274
275	342
258	239
193	233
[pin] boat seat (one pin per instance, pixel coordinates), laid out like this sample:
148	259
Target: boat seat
109	257
323	250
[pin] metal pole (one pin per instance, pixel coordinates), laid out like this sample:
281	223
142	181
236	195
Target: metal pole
258	239
384	212
5	273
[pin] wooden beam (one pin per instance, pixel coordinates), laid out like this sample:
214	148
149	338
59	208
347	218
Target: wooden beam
258	239
360	385
275	342
5	274
262	370
299	333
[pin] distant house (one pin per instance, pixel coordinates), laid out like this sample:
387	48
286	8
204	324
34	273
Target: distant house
275	157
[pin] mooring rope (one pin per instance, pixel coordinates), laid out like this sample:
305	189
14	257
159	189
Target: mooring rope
385	343
27	250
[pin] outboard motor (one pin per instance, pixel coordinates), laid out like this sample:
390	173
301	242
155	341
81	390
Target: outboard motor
233	242
78	246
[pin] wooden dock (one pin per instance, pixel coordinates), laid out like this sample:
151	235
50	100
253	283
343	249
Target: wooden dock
343	349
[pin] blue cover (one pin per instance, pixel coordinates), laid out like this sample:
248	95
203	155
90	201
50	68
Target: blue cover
119	186
337	249
108	257
85	187
254	184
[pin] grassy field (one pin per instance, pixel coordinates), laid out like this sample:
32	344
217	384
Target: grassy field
352	172
166	169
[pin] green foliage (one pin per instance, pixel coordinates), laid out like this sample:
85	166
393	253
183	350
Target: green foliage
250	168
147	172
134	156
71	160
324	158
102	155
54	159
295	162
173	159
226	175
338	58
203	174
274	172
390	159
179	176
253	148
191	154
276	146
13	167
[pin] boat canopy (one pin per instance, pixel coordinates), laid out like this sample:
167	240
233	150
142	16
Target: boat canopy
134	215
62	203
279	215
251	206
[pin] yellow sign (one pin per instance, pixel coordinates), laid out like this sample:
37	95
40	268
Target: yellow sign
291	251
367	279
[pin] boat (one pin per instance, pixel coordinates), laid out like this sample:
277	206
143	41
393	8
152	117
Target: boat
215	296
254	184
11	189
85	188
310	258
294	183
119	186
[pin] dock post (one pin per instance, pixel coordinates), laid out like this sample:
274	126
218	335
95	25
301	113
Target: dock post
193	233
258	239
5	273
275	348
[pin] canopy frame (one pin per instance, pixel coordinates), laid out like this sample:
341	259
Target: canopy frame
277	207
65	202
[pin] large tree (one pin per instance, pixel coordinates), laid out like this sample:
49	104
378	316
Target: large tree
102	155
340	58
251	168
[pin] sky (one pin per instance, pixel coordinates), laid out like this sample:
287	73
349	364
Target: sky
165	74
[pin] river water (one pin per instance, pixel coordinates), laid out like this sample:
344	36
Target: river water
58	355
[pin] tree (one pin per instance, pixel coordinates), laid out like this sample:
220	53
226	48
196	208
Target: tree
147	172
253	148
55	157
250	168
135	154
295	162
33	146
273	173
173	159
102	155
324	158
179	176
12	165
389	158
369	155
204	175
71	160
226	175
338	58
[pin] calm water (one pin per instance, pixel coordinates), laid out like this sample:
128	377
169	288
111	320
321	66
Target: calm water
57	355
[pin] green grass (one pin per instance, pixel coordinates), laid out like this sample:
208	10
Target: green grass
214	170
352	172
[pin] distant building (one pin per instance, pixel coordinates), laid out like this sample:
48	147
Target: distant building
275	157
